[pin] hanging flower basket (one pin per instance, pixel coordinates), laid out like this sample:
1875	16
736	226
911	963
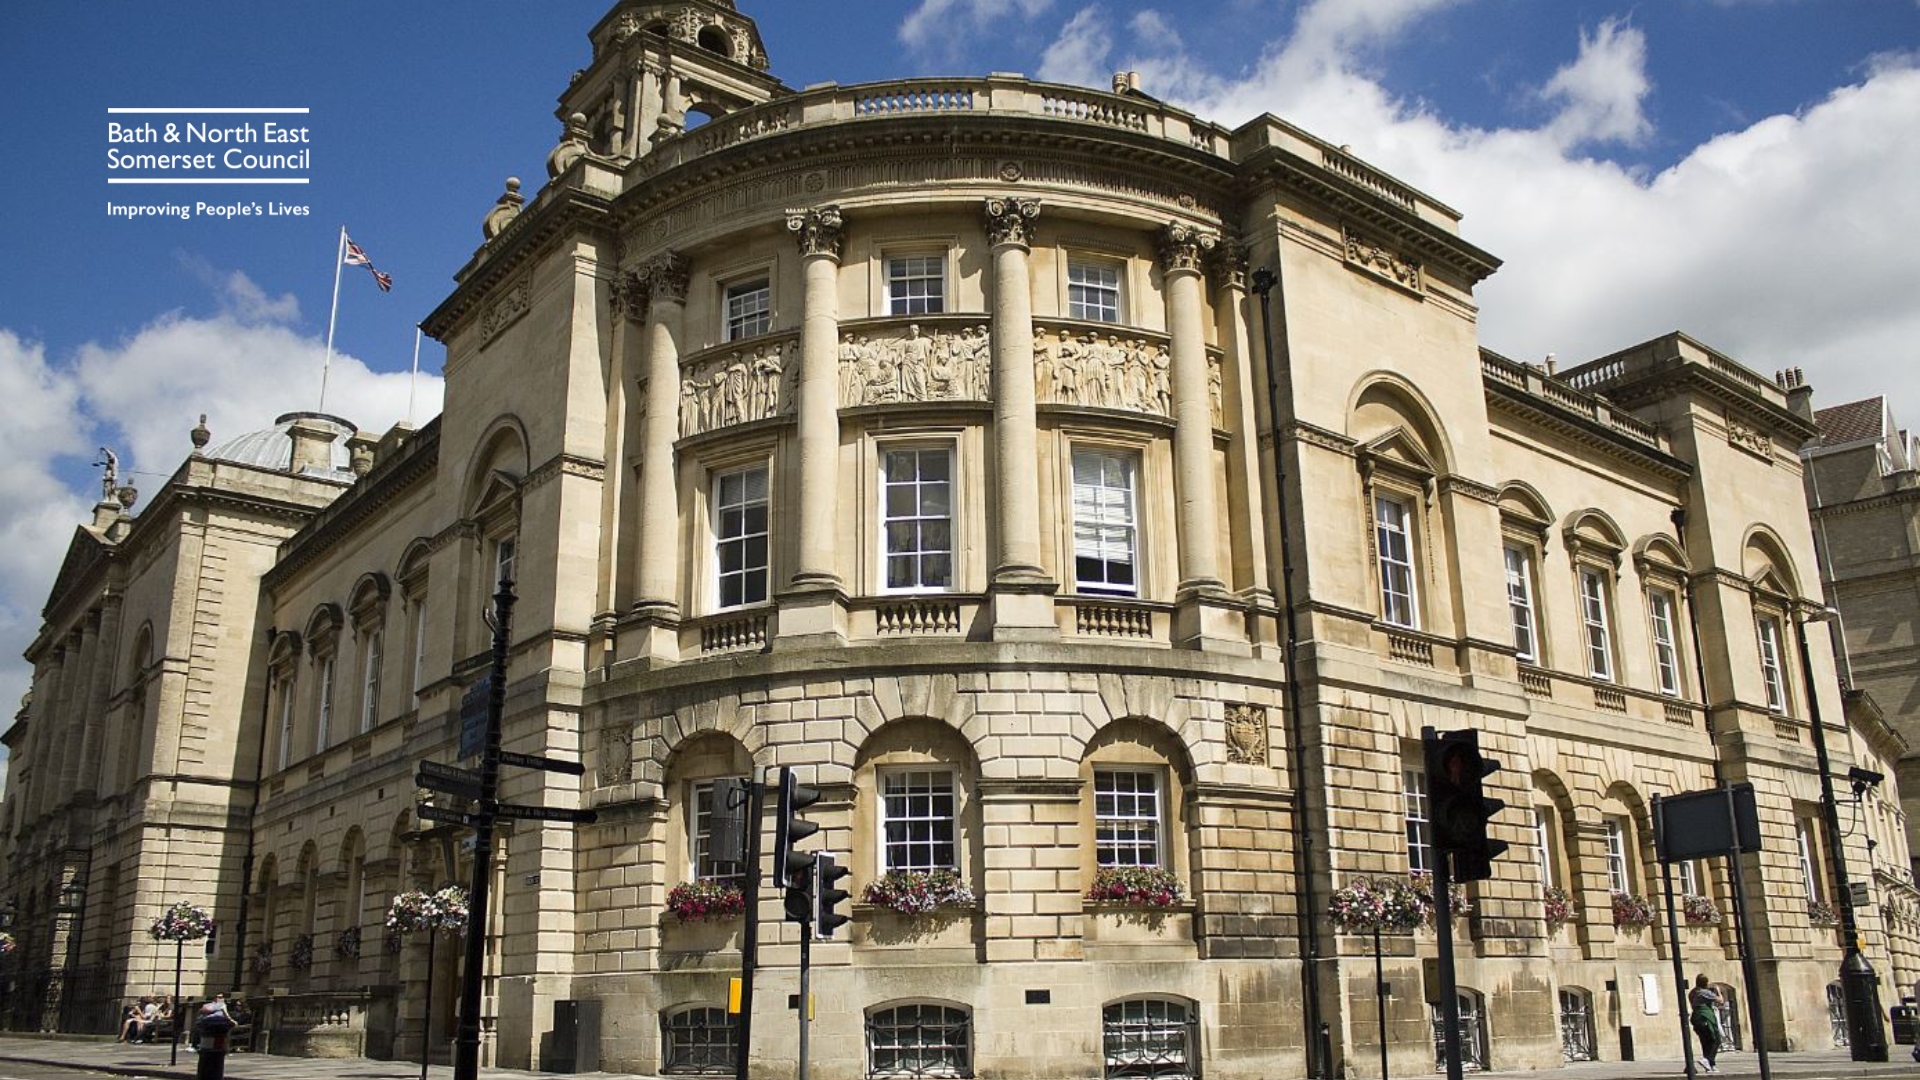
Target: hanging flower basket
1135	886
182	922
1700	911
417	910
706	900
262	962
918	892
1632	911
7	944
347	945
1821	913
1422	884
1385	904
302	958
1558	908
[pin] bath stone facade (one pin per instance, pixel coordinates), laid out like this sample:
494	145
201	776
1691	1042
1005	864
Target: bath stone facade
918	436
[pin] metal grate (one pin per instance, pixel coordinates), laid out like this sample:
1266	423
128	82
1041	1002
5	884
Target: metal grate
1150	1038
699	1041
920	1040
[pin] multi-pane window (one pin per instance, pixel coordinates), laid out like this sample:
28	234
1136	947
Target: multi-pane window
323	723
1687	878
1803	835
1526	636
419	643
917	820
917	285
1105	536
749	309
916	501
1542	832
699	1040
1126	817
506	553
1393	537
919	1040
286	723
740	537
370	682
1593	616
1413	793
1093	291
1617	879
1770	670
1666	655
1149	1037
700	833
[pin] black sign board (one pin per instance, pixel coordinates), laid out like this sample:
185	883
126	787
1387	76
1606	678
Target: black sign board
1699	824
445	817
546	813
445	778
473	717
528	761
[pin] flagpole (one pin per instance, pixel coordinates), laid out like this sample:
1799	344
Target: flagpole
415	376
339	260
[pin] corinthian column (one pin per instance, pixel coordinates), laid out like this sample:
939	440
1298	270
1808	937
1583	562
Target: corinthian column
1242	395
810	611
664	280
1199	622
1022	591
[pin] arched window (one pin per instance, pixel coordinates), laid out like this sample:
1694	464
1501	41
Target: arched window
1150	1037
691	772
1473	1032
919	775
1576	1024
919	1040
715	39
1137	773
698	1039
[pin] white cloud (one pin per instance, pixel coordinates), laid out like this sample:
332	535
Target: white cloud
1782	242
1077	54
141	395
949	21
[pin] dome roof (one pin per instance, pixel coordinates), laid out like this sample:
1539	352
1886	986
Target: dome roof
272	448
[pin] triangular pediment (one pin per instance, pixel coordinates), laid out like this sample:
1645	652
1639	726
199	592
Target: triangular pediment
1397	448
85	552
496	494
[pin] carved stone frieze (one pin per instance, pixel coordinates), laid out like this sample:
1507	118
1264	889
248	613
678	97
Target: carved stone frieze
822	231
665	277
1247	734
1081	369
1010	220
743	386
1744	436
616	755
507	308
1381	261
1229	264
1184	247
915	366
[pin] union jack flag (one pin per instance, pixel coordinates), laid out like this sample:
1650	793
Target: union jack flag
357	257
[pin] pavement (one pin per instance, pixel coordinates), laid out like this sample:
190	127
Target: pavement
100	1054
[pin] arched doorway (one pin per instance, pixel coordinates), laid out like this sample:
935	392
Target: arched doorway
1576	1024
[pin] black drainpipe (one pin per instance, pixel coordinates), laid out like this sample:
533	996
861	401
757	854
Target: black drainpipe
253	811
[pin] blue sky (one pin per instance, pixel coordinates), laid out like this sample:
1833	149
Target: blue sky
1740	169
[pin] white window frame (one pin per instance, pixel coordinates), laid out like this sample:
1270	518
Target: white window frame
287	688
909	268
1394	519
1520	606
1661	607
1687	877
1416	814
506	560
1134	818
1109	517
1767	630
922	827
1619	877
370	681
722	538
700	835
1803	838
741	317
917	521
1596	623
419	646
323	712
1091	296
1542	836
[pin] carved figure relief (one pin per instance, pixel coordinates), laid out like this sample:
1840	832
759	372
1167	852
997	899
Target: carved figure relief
740	387
1382	262
1247	734
1109	374
916	367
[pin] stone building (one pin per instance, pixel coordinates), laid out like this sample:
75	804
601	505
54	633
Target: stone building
918	436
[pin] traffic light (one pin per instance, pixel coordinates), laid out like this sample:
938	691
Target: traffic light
827	914
1457	807
794	868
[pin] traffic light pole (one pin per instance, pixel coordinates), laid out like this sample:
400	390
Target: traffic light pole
1443	928
750	930
806	995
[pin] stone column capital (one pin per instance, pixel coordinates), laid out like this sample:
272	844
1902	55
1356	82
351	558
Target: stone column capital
1010	221
1228	265
1185	247
628	297
821	231
664	279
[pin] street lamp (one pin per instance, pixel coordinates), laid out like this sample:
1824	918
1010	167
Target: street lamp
1859	986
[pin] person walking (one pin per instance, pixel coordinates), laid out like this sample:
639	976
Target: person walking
1704	1002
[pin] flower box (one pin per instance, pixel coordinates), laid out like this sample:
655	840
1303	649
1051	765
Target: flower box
1135	887
1631	911
706	900
918	892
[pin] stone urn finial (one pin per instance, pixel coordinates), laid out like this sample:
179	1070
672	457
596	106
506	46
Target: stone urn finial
201	435
504	211
573	146
127	495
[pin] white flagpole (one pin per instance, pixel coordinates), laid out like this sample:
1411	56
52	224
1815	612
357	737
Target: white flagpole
415	377
339	260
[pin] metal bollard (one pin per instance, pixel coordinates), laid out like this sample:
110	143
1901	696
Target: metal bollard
214	1028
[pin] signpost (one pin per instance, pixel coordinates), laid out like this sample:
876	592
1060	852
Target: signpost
545	764
461	783
473	718
444	817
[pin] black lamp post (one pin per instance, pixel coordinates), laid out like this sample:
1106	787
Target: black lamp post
1859	986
